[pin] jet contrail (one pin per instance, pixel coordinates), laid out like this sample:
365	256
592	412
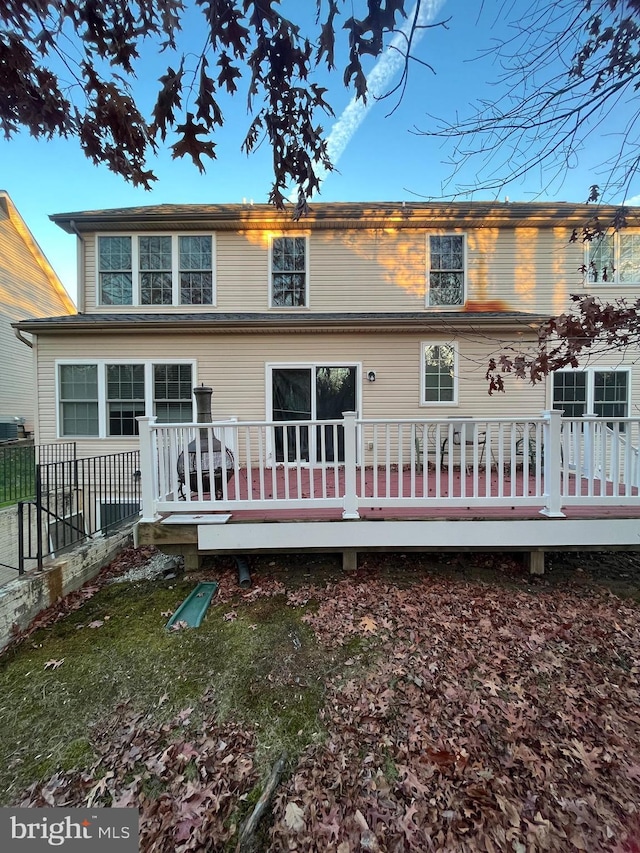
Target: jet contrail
378	80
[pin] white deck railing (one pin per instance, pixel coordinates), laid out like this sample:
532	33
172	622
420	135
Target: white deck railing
548	461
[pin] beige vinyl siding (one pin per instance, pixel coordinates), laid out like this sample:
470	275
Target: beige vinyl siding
90	275
508	269
28	288
368	270
243	271
235	366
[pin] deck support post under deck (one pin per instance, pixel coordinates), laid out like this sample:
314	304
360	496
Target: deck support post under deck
349	560
536	562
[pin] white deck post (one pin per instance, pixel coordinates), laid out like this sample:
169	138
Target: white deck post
350	506
588	432
146	468
552	447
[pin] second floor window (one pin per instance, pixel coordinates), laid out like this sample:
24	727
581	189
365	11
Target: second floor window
195	266
155	270
115	270
446	271
614	259
289	272
156	286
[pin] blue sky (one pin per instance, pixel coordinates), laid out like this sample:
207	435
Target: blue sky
380	160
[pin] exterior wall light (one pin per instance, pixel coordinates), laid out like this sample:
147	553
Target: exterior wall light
371	376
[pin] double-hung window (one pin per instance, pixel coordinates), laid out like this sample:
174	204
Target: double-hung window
125	398
614	259
195	269
159	269
602	392
172	384
154	258
438	374
115	270
446	270
289	272
78	396
104	398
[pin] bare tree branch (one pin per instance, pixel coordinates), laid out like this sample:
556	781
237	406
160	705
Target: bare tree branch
567	71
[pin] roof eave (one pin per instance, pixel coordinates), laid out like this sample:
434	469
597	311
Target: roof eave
277	324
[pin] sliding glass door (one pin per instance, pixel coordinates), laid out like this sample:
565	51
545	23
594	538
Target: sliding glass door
311	392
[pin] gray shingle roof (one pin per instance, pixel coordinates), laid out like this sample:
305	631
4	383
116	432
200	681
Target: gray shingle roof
280	321
332	214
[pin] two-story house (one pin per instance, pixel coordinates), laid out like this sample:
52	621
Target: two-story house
28	287
387	310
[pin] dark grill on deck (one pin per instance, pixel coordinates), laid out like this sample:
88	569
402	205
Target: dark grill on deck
219	465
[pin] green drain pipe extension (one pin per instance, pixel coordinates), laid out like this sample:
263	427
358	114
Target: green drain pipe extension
244	575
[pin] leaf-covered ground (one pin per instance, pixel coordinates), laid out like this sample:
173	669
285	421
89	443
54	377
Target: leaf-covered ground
449	713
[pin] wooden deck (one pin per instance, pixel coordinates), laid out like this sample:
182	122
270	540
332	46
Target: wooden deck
574	483
423	526
426	485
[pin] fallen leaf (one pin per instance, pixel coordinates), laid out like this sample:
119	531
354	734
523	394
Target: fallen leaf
53	664
368	624
294	817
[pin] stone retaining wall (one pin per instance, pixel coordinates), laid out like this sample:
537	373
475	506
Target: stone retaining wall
23	597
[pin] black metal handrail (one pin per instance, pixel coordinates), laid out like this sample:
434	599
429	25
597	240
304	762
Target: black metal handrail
76	500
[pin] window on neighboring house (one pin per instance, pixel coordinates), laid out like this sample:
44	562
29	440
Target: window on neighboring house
438	373
79	399
154	257
104	399
614	259
156	270
603	392
196	277
125	398
289	272
172	389
115	272
446	270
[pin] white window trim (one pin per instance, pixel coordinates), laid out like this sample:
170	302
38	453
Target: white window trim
175	270
102	390
306	305
456	377
615	281
465	269
590	384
